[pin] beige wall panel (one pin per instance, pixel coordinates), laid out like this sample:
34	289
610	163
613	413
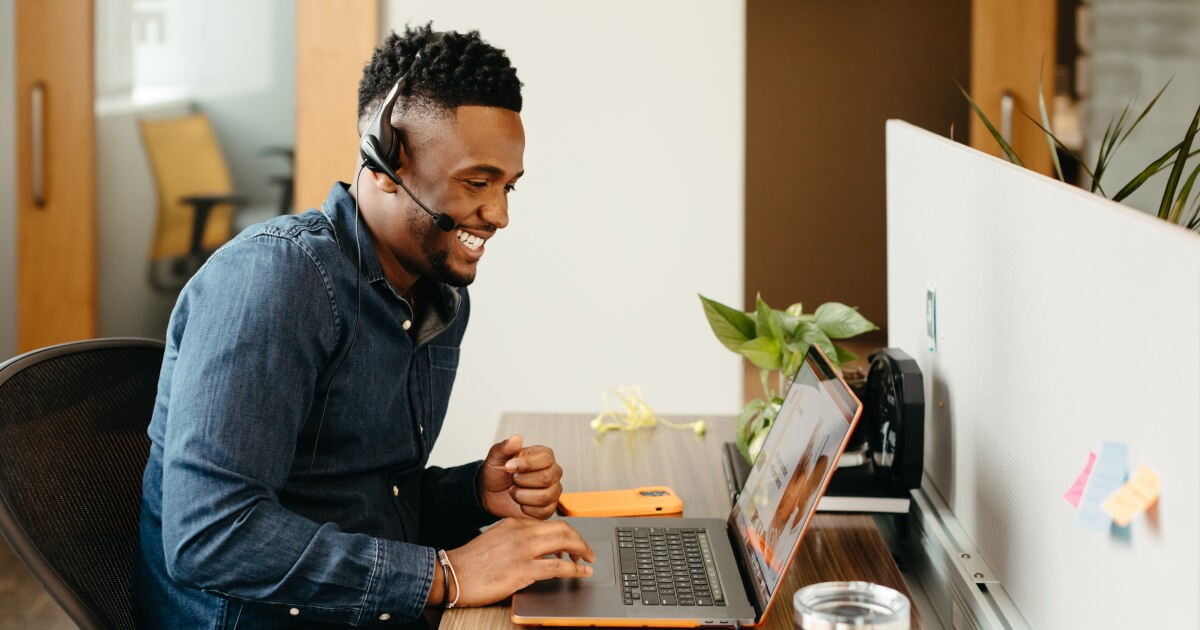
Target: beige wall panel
1012	41
334	40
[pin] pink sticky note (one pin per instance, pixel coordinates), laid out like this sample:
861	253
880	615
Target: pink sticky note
1075	492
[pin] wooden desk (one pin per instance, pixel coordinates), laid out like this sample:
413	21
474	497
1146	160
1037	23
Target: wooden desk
836	547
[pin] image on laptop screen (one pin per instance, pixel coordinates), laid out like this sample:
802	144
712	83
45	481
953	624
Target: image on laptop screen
796	459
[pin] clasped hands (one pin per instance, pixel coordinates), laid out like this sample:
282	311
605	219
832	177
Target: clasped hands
521	486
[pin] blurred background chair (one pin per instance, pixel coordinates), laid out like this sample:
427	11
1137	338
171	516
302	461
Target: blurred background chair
73	447
195	196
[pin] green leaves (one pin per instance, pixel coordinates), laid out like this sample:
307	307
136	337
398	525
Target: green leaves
763	352
841	322
1050	139
777	340
1185	147
1004	145
731	326
1146	174
768	321
752	424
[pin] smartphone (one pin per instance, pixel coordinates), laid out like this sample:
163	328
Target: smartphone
646	501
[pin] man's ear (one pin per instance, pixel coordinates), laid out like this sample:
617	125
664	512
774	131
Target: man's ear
382	182
385	183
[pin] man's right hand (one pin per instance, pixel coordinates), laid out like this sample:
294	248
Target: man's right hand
511	555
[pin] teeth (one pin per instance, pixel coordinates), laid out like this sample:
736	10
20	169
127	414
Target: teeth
472	242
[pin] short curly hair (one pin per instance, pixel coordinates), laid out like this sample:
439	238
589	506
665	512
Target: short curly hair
459	69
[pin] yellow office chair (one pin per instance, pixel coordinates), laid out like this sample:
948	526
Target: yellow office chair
195	196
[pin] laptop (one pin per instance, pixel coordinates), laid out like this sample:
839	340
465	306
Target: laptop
697	572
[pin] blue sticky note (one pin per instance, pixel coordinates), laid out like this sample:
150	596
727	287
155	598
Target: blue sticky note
1108	475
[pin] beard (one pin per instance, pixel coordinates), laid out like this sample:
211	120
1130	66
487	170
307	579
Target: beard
437	257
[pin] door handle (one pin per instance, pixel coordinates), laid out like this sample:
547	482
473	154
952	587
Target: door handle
1006	116
37	102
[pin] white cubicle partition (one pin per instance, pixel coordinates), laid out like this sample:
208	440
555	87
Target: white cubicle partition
1063	321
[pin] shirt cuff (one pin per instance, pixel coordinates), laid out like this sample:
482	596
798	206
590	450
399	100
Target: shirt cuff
401	583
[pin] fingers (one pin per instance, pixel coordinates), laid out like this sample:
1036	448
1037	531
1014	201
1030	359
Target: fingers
503	451
539	479
539	513
531	459
554	568
541	503
551	537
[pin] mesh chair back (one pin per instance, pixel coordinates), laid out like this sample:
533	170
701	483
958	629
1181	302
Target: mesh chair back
73	446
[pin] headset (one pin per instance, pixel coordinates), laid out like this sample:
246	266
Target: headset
380	143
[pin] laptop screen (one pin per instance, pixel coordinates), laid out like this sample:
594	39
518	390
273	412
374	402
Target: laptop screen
790	473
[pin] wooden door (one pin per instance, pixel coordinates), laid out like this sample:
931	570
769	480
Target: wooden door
56	181
334	41
1012	41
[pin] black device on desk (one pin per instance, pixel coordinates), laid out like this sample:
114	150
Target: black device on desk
894	418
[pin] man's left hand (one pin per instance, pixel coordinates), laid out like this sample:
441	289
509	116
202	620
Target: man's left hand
520	482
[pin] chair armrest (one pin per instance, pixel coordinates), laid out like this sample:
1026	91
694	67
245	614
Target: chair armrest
288	152
202	206
212	200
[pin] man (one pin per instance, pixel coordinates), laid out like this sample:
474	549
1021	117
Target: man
308	368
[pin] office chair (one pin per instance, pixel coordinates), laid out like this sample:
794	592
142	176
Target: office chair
73	447
195	195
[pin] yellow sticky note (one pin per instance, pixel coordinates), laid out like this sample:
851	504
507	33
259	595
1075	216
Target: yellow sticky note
1134	497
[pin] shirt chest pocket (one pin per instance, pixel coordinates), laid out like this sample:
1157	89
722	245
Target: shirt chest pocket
444	358
443	366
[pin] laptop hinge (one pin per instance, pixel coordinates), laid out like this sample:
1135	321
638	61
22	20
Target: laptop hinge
739	555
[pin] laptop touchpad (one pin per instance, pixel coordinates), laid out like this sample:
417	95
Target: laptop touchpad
603	572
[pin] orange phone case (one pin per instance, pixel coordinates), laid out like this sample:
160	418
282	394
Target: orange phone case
645	501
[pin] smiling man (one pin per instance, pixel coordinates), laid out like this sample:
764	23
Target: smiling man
308	368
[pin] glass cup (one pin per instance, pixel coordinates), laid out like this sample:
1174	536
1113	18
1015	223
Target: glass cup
850	606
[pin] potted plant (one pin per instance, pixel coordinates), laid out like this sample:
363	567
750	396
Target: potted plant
775	341
1176	203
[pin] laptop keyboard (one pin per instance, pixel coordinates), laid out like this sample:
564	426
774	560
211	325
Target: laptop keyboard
668	566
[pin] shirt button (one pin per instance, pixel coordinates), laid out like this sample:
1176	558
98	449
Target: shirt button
294	612
395	491
421	428
407	324
384	617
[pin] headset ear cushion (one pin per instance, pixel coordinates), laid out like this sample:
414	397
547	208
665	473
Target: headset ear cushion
374	159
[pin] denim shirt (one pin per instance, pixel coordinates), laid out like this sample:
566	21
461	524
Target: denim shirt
287	484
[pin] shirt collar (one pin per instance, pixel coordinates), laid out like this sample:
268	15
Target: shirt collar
339	209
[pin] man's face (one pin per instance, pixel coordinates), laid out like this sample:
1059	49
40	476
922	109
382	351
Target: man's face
464	165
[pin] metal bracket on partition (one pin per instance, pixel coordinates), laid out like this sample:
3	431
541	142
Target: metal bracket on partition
975	568
962	588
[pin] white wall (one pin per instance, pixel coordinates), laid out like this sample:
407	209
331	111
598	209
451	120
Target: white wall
632	203
8	193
